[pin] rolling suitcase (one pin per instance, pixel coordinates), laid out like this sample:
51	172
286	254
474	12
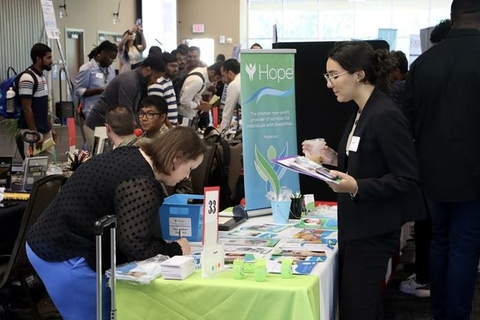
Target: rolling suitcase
111	222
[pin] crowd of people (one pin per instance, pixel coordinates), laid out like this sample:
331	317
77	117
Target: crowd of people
407	154
153	95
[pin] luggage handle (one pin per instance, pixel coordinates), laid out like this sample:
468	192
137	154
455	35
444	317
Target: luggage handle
13	71
104	222
69	83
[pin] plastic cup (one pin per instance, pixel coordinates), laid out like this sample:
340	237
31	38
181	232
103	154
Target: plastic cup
314	149
281	211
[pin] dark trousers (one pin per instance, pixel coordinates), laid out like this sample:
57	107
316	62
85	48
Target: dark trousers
454	255
423	238
362	268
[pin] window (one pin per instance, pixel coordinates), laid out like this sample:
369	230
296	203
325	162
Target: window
330	20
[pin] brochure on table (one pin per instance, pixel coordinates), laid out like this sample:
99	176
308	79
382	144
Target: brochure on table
212	258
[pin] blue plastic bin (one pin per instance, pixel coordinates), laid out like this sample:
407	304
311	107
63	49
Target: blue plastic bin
177	215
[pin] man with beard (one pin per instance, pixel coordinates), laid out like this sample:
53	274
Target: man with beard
33	94
126	89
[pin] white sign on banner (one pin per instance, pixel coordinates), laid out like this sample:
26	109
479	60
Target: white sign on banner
212	258
49	20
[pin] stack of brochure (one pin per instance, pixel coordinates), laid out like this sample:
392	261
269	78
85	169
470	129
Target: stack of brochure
178	267
142	272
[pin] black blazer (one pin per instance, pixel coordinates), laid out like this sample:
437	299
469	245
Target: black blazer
386	169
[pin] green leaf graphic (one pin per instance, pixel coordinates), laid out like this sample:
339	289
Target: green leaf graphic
264	166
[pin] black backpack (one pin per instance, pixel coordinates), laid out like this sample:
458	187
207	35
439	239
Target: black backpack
220	167
180	80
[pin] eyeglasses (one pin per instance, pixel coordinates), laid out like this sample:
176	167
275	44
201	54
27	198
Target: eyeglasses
149	115
329	77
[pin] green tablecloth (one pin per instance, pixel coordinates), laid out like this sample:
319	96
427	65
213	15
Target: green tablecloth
221	297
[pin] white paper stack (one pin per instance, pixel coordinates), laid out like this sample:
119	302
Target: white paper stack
178	267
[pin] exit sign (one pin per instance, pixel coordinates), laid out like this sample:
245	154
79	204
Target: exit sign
198	28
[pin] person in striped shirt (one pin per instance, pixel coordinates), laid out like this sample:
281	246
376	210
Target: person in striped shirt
164	88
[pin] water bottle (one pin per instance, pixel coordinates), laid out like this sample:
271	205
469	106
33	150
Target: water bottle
10	100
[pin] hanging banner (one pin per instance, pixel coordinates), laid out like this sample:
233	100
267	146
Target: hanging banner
268	122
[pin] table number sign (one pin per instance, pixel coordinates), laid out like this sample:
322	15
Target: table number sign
212	259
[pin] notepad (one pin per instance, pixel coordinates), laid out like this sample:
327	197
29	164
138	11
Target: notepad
45	145
214	100
178	267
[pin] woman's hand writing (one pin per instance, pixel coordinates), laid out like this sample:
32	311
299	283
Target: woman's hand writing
185	245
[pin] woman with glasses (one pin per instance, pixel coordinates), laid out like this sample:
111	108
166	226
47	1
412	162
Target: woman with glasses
94	76
378	187
125	182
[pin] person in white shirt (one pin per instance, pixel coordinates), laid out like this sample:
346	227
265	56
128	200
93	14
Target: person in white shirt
196	83
231	76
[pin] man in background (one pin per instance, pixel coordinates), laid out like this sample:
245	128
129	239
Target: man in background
231	76
441	103
152	115
33	95
126	89
193	59
164	87
119	123
398	77
418	283
196	83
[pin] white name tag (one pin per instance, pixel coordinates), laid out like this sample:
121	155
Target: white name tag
354	144
99	75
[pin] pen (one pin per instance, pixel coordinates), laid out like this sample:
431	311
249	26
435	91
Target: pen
179	233
69	156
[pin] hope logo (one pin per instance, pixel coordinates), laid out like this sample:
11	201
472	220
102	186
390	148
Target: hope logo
251	68
275	74
265	72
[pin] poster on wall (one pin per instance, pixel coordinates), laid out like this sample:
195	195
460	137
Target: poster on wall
268	122
49	19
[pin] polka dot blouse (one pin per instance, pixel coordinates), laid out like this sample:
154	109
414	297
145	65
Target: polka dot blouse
120	182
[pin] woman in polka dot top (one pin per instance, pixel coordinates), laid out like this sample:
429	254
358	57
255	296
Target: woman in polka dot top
124	182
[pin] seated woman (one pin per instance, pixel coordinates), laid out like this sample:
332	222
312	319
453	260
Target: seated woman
124	182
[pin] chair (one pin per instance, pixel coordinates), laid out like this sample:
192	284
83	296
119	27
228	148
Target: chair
201	175
43	192
235	168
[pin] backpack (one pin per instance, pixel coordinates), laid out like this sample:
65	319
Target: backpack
180	80
220	167
12	82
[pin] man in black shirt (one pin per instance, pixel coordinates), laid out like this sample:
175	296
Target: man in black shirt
442	104
126	89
